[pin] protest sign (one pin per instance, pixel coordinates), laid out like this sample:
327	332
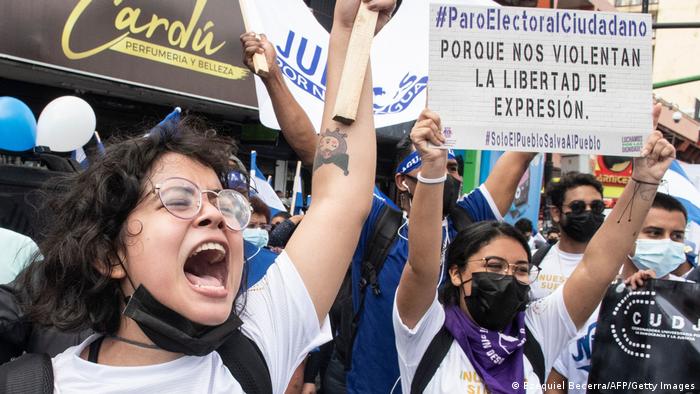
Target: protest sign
650	337
528	79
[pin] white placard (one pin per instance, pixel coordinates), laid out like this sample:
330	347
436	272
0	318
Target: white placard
528	79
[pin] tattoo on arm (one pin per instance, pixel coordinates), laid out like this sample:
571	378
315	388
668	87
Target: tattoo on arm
646	195
332	149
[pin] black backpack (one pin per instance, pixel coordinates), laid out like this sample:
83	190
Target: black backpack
440	345
539	255
346	319
32	373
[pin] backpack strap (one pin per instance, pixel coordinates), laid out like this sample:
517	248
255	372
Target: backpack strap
430	362
533	352
460	218
440	345
32	373
246	363
539	255
385	229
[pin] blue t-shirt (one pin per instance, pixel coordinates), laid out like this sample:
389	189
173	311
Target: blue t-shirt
258	260
375	367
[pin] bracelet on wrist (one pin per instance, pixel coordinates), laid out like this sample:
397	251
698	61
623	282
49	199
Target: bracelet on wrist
645	183
431	181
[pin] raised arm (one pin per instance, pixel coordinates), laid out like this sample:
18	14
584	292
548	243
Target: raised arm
295	123
343	175
608	248
505	176
421	274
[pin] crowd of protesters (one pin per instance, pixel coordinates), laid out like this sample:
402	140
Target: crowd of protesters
157	273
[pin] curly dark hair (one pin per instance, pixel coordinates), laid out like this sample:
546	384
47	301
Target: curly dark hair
557	190
85	233
466	244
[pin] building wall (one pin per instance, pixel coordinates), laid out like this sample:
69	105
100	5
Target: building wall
677	53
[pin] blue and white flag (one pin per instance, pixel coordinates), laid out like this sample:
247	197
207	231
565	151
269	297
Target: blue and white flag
678	184
80	156
263	189
297	205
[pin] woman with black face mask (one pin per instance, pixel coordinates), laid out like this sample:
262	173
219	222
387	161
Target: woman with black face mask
491	338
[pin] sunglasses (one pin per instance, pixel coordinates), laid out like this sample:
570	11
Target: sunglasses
579	206
183	199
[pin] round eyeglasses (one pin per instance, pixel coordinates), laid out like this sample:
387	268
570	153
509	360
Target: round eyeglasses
183	199
524	272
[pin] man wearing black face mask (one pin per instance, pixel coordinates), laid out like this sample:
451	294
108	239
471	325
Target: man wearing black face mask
577	209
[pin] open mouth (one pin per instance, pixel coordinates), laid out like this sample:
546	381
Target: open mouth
207	266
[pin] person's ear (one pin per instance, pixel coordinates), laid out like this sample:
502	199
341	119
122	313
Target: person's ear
112	269
455	276
556	214
400	181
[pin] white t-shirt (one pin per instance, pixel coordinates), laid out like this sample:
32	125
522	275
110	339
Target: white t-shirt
556	267
574	362
547	319
279	317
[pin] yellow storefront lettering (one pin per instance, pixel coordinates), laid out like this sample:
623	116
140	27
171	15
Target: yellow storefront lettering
127	18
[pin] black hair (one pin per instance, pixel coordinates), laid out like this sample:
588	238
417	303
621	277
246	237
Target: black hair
403	148
85	230
282	214
557	190
524	225
260	207
669	203
467	243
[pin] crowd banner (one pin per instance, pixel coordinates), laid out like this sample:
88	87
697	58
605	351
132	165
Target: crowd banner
526	79
399	60
648	340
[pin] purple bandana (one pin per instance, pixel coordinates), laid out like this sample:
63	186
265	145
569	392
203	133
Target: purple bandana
496	357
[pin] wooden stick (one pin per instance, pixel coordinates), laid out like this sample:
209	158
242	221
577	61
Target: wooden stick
259	61
355	66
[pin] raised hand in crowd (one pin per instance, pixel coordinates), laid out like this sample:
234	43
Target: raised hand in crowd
293	120
638	279
609	247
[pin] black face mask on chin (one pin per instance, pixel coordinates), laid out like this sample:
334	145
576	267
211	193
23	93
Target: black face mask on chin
496	299
173	332
581	227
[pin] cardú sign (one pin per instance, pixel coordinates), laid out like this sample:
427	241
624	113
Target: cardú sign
186	47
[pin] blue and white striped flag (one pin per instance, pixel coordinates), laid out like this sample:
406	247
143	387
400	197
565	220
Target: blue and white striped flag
80	156
678	184
264	190
297	205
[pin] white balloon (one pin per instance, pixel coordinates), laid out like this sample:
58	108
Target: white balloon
66	124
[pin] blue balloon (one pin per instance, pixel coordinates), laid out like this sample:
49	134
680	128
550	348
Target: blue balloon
17	125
